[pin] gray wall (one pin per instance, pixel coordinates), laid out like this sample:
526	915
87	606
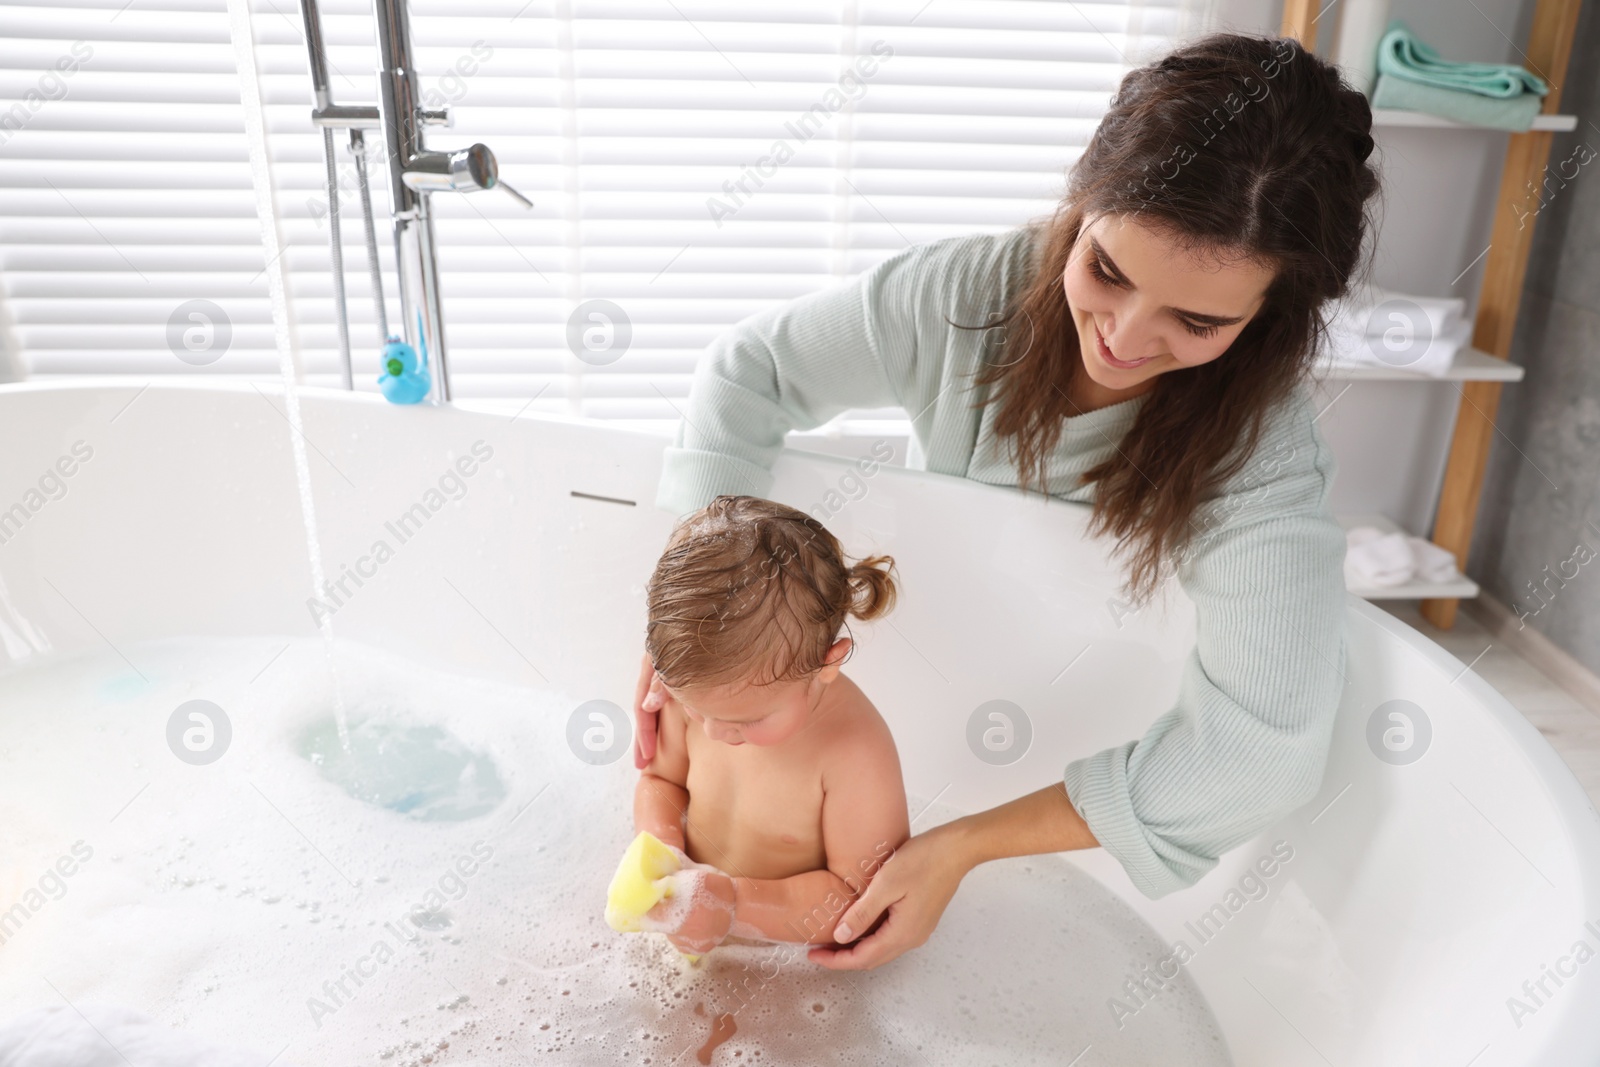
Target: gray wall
1540	518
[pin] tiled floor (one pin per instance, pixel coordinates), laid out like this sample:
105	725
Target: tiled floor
1570	727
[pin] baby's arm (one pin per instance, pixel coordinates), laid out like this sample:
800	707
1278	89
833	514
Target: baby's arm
864	820
661	798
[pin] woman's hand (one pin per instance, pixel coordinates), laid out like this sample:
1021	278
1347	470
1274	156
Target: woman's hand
914	885
917	882
648	697
697	915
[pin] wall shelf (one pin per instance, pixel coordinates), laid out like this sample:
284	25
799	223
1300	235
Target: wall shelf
1469	365
1384	116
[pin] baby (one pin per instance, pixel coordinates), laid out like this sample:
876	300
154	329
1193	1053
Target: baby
774	778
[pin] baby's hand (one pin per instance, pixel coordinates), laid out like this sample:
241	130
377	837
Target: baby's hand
698	914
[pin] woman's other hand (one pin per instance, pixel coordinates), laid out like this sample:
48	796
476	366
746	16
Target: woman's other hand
648	697
914	886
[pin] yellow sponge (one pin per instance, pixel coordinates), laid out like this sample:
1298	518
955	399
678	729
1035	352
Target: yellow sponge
640	884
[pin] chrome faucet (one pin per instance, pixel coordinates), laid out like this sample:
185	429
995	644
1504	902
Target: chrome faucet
414	173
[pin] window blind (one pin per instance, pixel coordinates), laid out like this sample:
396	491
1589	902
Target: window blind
124	188
690	161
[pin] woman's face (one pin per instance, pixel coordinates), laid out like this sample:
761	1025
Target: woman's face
1144	305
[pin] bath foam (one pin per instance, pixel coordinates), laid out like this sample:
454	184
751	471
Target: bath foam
252	902
89	1035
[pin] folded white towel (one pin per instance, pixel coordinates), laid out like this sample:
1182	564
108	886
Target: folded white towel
1443	312
1400	348
1384	559
1434	564
1356	309
1386	328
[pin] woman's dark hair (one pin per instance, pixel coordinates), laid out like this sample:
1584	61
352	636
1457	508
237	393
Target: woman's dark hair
1246	147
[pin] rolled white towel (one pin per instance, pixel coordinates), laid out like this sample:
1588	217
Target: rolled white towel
1434	564
1360	535
1384	559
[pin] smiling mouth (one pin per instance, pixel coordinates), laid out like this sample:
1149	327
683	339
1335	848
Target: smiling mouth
1105	353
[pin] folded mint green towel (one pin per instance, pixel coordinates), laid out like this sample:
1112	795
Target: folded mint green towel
1412	77
1514	113
1400	54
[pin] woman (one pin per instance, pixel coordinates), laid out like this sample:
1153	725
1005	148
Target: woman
1146	350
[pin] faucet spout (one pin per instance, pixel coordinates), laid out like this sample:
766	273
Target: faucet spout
414	171
467	170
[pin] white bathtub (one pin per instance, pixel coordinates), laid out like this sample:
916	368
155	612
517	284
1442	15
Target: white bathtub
1419	897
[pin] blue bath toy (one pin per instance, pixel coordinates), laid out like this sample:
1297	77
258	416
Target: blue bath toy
405	379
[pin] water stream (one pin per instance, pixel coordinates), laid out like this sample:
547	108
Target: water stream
308	517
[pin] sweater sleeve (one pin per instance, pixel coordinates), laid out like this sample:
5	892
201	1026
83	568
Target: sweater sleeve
1248	739
881	340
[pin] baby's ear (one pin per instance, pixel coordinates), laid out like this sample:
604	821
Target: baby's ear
834	658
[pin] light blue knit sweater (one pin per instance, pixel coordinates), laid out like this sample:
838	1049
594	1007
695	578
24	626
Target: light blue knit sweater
1248	738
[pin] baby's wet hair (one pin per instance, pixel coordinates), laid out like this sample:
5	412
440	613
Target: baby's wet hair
752	590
